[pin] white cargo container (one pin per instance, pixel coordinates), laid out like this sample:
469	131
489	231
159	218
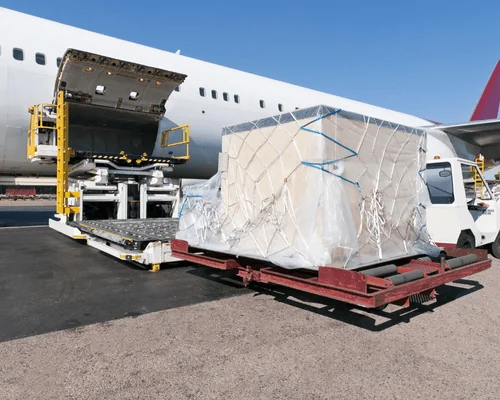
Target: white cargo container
317	186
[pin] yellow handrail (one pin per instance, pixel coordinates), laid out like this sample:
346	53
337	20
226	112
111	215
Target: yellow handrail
37	122
478	181
186	135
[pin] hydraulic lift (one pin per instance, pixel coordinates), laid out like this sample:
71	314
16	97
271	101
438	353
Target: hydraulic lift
100	131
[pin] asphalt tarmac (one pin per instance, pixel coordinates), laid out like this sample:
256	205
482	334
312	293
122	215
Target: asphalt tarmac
23	213
77	324
49	282
270	345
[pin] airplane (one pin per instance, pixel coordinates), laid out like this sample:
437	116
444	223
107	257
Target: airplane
211	97
487	106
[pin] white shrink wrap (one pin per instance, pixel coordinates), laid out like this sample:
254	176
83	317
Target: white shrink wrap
314	187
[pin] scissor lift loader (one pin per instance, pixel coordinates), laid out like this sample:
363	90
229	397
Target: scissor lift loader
101	130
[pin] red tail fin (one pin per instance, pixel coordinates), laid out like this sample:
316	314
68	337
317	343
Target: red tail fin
487	106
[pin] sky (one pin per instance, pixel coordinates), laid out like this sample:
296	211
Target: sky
427	58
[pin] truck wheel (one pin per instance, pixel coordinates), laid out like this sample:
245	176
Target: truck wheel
495	247
466	241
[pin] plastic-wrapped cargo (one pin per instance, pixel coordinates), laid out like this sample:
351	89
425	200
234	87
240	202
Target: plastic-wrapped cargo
314	187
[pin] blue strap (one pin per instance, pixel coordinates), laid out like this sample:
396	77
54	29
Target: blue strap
321	165
186	197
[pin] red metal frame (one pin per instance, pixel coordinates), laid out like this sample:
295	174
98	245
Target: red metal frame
446	245
335	283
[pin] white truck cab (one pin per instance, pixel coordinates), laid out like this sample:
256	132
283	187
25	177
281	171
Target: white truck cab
463	212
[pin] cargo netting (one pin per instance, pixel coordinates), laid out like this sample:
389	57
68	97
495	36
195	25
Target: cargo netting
314	187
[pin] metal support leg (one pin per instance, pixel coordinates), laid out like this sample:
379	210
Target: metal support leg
143	191
176	204
63	153
76	199
122	201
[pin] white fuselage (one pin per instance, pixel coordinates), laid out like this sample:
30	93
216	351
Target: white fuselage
24	83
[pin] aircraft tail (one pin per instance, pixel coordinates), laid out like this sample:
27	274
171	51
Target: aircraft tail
487	106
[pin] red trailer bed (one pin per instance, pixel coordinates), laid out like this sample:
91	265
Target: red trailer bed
369	288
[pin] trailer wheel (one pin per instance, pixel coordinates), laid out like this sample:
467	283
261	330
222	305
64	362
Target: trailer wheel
495	247
466	241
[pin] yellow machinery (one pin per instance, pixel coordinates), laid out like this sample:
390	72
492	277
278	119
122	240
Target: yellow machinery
110	192
41	124
56	128
478	181
48	136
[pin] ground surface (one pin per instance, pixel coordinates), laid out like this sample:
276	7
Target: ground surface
244	344
50	282
25	212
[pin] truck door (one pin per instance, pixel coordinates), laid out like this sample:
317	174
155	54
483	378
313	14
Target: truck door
480	203
447	215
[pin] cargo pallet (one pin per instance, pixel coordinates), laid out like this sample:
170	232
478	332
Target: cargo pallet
372	287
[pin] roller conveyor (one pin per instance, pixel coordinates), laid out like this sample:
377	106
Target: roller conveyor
134	234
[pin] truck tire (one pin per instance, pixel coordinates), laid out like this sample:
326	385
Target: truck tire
495	247
466	241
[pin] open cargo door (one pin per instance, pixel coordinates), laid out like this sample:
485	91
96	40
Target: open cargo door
114	105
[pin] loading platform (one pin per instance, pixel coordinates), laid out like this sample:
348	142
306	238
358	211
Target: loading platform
142	241
132	234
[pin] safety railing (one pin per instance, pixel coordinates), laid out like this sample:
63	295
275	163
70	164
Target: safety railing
478	181
42	119
166	141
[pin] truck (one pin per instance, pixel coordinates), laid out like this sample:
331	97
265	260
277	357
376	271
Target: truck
463	210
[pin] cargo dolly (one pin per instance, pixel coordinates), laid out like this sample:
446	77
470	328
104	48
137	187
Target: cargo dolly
369	287
102	131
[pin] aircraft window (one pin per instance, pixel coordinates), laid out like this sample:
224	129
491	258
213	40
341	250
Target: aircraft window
225	96
18	54
214	94
262	104
40	58
296	108
280	107
236	98
202	92
59	59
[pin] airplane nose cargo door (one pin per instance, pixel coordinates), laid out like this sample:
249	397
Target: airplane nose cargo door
114	105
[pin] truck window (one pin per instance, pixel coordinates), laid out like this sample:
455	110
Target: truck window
440	183
474	185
